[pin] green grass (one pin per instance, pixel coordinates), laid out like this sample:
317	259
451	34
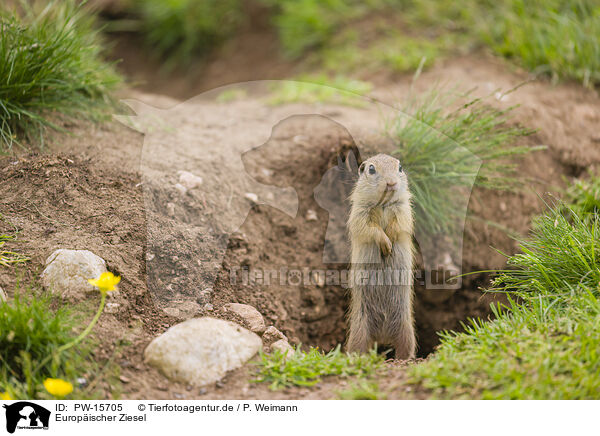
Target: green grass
180	30
558	38
9	257
584	195
309	24
442	144
545	344
320	89
50	66
308	368
30	330
362	390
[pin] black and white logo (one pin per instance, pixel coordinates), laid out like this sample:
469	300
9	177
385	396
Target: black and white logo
26	415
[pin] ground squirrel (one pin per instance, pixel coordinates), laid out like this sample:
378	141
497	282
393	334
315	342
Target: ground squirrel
381	228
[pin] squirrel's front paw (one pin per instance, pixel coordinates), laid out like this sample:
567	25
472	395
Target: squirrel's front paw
386	246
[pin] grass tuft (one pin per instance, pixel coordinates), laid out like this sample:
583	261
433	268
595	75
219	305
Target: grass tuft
308	368
180	30
50	64
446	151
362	390
30	330
544	344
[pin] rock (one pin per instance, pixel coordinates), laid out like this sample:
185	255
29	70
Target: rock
182	189
124	379
204	296
112	307
171	209
251	196
249	314
311	215
271	335
67	272
189	180
3	298
284	347
200	351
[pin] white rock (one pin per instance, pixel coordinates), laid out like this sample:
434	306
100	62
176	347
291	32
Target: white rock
200	351
189	180
67	272
284	347
251	196
112	307
311	215
255	320
182	189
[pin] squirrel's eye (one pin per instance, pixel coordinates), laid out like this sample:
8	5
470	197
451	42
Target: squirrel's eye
371	169
400	168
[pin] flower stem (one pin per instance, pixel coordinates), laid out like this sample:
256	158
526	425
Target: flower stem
79	338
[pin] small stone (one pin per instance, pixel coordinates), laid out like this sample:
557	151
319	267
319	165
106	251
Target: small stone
67	272
503	206
202	391
219	385
149	257
112	307
251	196
271	335
189	180
201	351
249	314
178	395
180	188
124	379
284	347
209	307
171	209
311	215
171	311
204	296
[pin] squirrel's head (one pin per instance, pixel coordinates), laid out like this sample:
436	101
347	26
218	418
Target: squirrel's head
382	180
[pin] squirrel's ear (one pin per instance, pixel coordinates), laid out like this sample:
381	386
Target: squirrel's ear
351	163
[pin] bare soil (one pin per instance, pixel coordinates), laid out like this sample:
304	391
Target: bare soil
91	191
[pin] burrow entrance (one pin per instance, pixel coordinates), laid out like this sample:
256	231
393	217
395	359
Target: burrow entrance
271	262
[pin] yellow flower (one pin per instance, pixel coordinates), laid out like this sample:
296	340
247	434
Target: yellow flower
57	387
106	282
5	396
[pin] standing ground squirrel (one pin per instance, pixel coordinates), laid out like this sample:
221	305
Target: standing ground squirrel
381	228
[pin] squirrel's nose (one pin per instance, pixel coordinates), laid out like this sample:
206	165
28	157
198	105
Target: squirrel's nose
392	186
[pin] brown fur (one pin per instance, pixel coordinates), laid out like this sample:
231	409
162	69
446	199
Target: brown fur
380	228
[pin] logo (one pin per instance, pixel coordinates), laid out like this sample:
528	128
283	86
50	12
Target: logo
26	415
